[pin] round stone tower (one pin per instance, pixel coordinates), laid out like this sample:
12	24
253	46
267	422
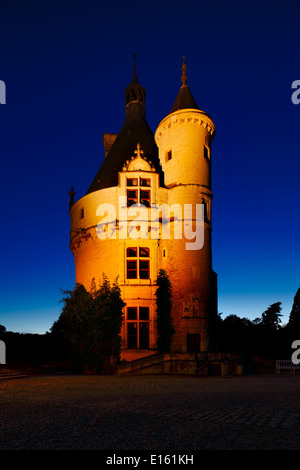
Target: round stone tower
184	140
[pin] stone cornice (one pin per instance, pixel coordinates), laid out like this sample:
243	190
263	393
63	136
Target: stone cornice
185	116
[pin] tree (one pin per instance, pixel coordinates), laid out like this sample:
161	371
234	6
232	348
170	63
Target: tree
2	329
236	334
294	318
106	318
91	323
270	318
165	328
73	326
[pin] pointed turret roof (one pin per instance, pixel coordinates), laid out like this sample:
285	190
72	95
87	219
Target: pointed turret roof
184	99
134	130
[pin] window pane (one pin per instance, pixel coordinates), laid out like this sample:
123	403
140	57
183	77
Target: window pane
131	335
145	182
131	202
144	264
132	181
144	335
145	194
144	269
144	313
145	197
132	197
132	194
145	202
131	252
144	252
131	270
131	313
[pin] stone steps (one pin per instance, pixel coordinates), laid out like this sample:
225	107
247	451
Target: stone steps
6	374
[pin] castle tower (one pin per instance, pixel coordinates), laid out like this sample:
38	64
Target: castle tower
144	172
184	140
104	243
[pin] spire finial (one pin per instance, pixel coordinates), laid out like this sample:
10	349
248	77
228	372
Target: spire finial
134	80
183	76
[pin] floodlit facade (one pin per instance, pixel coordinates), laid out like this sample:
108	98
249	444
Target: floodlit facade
149	208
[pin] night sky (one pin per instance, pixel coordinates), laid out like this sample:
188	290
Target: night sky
66	65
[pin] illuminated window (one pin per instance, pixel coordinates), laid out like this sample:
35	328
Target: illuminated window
144	252
132	182
145	182
145	197
132	197
137	327
136	194
138	266
131	252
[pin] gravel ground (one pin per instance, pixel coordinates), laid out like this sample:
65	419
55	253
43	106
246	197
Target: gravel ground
66	412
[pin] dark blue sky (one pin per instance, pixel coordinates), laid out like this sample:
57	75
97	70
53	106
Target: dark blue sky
66	65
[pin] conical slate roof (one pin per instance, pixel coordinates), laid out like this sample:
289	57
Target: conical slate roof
184	99
134	130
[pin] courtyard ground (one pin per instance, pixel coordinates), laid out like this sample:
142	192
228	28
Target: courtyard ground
56	412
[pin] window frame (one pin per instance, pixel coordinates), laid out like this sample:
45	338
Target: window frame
141	187
135	327
137	263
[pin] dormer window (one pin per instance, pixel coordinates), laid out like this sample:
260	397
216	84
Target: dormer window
145	182
137	192
145	198
132	197
132	182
